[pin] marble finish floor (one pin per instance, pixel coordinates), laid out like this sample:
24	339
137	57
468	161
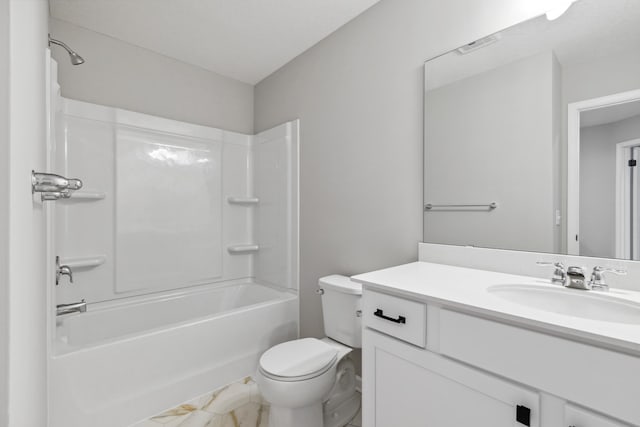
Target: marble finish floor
357	420
237	405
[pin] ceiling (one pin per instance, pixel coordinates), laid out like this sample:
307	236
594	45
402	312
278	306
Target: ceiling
612	114
588	31
243	39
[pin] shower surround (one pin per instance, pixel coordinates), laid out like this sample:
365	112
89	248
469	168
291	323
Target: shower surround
184	244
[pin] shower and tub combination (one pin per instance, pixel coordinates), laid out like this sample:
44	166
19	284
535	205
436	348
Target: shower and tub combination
182	244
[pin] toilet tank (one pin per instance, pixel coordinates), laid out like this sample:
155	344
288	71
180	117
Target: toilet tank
342	309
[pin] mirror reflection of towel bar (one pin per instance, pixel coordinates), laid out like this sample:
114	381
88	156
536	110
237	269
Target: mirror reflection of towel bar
491	206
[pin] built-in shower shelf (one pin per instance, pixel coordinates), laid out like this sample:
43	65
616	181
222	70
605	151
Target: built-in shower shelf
87	195
243	249
243	200
84	262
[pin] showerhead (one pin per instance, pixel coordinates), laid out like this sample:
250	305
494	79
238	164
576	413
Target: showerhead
73	56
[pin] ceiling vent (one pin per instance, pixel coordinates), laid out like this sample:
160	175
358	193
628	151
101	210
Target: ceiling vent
478	44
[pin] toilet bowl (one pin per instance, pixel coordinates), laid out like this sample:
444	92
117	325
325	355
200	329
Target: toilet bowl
311	382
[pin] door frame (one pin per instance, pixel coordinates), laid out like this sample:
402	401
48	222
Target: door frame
573	158
622	218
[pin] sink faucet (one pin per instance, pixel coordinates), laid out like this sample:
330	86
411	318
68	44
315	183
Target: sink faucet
575	277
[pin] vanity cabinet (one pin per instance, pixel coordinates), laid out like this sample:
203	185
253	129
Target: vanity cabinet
412	387
430	365
579	417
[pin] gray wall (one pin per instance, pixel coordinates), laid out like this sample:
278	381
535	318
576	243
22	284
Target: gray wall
619	72
489	137
4	207
358	94
122	75
598	184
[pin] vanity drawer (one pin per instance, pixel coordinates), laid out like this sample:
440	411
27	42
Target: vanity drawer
398	317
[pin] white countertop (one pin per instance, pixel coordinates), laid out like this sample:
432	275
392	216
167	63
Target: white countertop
466	289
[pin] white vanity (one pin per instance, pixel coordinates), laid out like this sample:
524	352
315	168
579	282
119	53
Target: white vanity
518	155
451	346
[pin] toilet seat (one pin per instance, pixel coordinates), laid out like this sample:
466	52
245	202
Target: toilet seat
298	360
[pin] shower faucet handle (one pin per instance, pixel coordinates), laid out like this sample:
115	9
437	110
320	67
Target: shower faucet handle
63	270
52	186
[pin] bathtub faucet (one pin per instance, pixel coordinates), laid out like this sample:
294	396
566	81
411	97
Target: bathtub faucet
76	307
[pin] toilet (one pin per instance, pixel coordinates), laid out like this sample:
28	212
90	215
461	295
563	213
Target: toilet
312	382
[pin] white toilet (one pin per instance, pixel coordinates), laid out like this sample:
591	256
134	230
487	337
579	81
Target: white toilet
311	382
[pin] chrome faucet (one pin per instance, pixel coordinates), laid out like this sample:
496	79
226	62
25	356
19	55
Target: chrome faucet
576	279
559	274
48	182
76	307
63	270
597	277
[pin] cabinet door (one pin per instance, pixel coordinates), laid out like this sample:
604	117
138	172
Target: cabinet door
410	387
578	417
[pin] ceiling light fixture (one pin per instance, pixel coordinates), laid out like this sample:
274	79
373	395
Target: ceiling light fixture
559	9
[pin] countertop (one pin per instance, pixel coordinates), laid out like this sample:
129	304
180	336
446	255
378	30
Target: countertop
466	289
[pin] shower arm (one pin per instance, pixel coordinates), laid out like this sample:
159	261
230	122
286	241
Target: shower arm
59	43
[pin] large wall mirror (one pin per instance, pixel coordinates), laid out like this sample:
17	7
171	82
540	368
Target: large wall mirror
532	136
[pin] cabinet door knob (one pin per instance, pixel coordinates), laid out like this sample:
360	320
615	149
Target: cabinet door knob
523	415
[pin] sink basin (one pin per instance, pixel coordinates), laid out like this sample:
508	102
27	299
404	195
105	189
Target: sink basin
570	302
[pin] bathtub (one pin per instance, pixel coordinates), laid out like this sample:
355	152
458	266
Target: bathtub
121	362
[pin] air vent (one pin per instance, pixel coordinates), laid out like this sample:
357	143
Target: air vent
478	44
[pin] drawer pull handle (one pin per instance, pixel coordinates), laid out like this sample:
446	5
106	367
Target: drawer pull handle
379	313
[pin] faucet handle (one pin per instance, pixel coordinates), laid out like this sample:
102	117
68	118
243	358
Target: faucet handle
560	272
63	270
597	277
556	264
618	271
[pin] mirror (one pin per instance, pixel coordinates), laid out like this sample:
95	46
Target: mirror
529	134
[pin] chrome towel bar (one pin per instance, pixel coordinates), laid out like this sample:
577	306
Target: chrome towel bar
491	206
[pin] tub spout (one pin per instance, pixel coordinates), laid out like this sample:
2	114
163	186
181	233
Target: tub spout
76	307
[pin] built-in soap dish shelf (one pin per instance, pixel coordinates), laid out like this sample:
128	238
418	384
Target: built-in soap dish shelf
84	262
243	249
86	195
243	200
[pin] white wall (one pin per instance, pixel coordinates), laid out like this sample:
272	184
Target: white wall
4	208
27	282
122	75
598	184
358	94
489	138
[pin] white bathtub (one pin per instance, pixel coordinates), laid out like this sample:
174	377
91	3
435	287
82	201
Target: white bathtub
122	362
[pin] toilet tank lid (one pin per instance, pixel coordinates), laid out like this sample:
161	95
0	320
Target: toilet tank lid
339	283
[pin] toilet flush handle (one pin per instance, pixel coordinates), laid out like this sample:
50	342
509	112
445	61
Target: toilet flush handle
320	291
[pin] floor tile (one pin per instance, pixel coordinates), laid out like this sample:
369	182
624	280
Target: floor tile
357	420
